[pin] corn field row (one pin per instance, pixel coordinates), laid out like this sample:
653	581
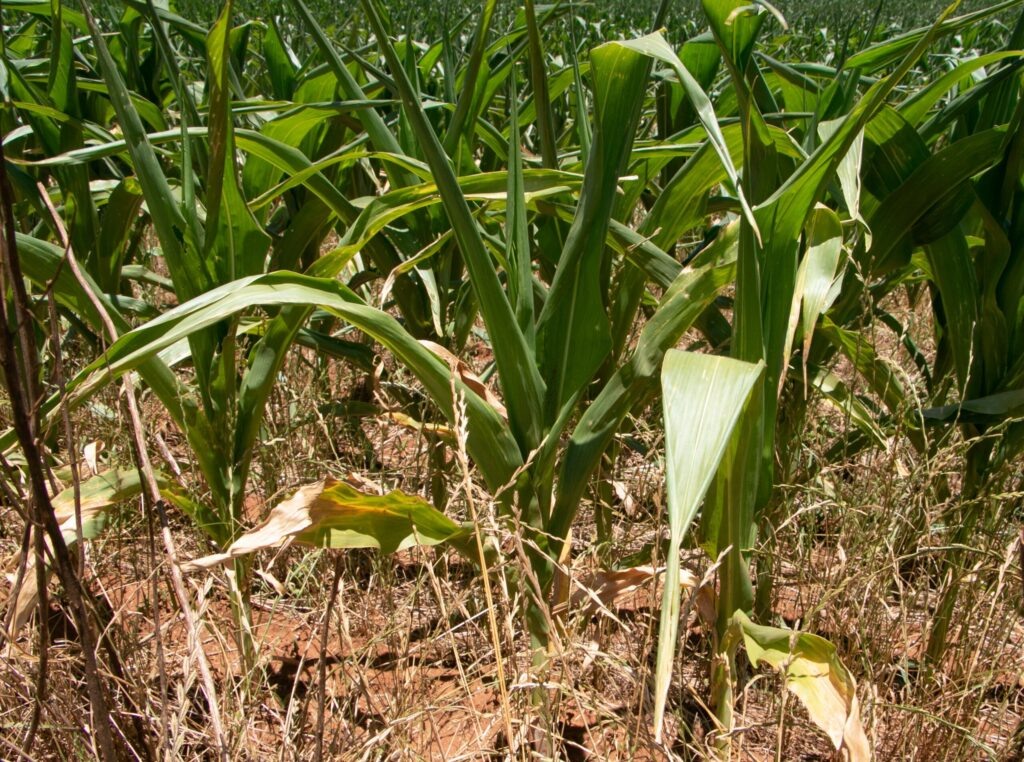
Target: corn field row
557	308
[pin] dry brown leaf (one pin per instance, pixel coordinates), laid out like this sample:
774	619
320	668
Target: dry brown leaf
604	589
467	376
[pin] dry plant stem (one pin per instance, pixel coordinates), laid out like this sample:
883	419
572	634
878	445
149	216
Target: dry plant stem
16	500
18	753
39	545
19	575
1020	550
39	549
453	643
161	662
115	661
467	485
69	433
322	665
20	375
153	500
151	496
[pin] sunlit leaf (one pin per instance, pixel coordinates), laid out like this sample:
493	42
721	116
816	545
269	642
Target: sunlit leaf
331	514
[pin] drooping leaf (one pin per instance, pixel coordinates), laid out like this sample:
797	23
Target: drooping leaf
97	495
332	514
814	673
490	442
995	408
814	279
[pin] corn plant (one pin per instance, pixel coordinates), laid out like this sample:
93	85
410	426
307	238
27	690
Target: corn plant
548	349
538	202
789	273
220	412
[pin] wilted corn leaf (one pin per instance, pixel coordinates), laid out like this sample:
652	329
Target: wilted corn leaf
445	433
606	589
331	514
814	673
814	280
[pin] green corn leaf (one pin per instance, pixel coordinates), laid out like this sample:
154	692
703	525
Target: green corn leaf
735	24
235	242
119	216
517	234
520	379
380	136
993	409
654	45
954	276
490	442
190	277
859	414
579	100
635	382
704	397
879	374
815	278
573	333
849	172
946	170
542	94
282	67
917	106
461	127
887	52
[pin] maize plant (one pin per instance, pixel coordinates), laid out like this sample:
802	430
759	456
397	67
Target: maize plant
576	202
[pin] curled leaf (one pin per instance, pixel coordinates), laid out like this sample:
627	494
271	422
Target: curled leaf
604	588
815	674
332	514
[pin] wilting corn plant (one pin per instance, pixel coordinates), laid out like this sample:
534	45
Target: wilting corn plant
550	339
909	149
790	271
221	412
967	241
543	250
